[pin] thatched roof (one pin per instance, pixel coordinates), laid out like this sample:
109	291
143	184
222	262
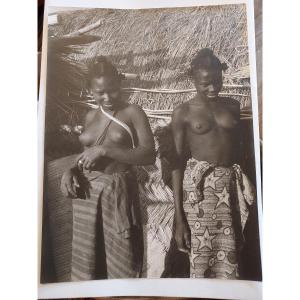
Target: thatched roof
158	44
162	38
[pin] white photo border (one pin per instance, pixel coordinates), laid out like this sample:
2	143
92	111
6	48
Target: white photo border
206	288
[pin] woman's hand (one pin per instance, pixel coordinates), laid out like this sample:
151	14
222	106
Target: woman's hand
89	157
69	183
183	235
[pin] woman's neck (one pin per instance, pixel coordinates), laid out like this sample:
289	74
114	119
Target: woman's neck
205	100
113	109
108	110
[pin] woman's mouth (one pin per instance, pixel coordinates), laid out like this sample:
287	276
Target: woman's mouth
212	96
107	104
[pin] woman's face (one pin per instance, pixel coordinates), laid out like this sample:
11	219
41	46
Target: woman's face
106	91
208	82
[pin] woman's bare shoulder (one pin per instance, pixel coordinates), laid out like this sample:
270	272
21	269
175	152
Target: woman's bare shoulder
179	113
91	113
231	103
181	108
135	113
90	116
132	107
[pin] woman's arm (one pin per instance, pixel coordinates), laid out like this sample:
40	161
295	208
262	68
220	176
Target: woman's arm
144	153
69	180
177	171
88	120
182	231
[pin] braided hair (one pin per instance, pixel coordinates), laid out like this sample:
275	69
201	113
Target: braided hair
101	66
205	59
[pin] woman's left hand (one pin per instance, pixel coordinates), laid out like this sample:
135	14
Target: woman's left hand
89	157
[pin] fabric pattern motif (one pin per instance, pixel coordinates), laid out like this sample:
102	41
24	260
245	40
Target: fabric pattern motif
216	201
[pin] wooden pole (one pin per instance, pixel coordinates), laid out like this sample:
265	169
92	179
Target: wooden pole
84	29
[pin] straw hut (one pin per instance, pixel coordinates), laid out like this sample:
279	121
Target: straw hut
157	45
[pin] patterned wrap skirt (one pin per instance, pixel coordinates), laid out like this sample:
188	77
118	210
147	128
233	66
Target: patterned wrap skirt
216	202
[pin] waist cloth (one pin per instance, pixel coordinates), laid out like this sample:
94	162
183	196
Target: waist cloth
216	201
96	235
105	241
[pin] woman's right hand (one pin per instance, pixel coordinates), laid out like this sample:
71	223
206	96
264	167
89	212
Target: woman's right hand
69	183
183	235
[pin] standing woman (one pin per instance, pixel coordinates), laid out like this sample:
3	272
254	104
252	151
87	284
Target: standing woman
212	195
106	241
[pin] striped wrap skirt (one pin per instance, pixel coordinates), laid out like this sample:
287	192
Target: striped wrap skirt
98	234
106	239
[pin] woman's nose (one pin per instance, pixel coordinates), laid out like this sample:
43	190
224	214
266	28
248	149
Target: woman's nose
211	88
106	97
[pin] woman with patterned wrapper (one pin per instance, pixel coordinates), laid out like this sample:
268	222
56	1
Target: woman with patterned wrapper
212	194
99	183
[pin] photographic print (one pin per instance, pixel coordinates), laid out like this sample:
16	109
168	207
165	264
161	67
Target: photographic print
150	168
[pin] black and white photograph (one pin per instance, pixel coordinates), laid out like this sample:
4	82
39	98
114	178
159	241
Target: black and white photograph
151	153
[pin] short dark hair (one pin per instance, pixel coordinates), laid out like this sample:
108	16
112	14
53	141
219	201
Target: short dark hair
205	59
101	66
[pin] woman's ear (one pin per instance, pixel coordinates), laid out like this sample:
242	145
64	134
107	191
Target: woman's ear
89	92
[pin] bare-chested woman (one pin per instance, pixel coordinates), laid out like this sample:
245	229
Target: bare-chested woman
100	181
211	192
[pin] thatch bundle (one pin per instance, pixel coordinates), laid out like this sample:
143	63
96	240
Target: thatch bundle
156	44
